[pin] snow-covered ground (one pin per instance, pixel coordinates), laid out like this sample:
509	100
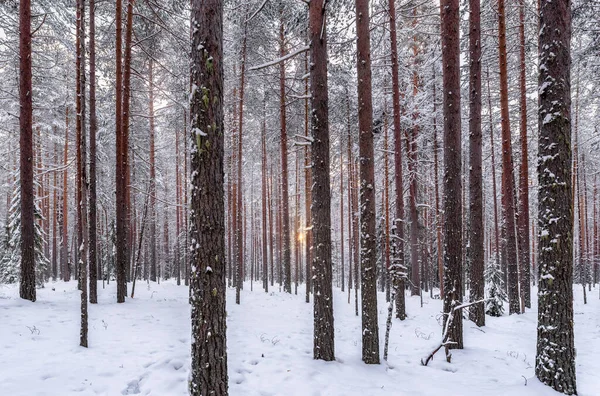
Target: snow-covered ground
142	347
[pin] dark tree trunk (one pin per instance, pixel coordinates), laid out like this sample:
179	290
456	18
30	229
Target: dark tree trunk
476	242
523	218
285	216
55	217
368	243
240	224
342	236
321	190
438	214
307	196
208	283
27	287
508	179
555	360
152	173
93	263
398	268
452	170
411	145
121	159
64	257
82	204
263	144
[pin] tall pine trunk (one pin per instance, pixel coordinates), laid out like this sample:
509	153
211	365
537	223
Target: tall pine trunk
555	359
476	229
27	286
121	159
152	172
398	268
508	179
523	218
208	283
323	347
285	216
368	243
92	232
452	170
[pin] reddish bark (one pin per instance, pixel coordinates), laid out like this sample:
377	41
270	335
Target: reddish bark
368	243
452	170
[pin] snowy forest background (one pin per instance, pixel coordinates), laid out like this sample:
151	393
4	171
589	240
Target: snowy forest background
257	32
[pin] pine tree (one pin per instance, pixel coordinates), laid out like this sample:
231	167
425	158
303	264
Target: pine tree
494	289
10	262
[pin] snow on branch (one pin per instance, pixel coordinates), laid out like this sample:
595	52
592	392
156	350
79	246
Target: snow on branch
257	11
445	337
282	59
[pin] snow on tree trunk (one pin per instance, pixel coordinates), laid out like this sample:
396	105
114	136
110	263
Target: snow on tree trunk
508	180
321	186
476	229
207	231
27	287
368	242
452	171
555	360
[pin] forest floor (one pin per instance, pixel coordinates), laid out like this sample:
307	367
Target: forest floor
142	347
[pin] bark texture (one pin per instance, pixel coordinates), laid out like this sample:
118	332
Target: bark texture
92	220
121	160
476	228
555	360
368	239
207	231
27	286
285	211
397	270
452	171
508	178
321	186
523	219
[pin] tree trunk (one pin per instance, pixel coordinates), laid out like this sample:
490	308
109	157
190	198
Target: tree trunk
55	216
307	195
152	173
82	204
121	159
494	188
438	214
93	263
240	224
368	243
555	360
27	286
323	347
285	216
209	351
452	170
523	218
263	144
476	229
398	267
508	187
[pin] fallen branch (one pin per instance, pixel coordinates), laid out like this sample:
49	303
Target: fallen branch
445	337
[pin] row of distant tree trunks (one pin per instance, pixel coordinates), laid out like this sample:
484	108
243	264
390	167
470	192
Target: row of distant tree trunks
555	281
452	186
53	188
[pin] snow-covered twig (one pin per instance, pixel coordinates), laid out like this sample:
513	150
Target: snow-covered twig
282	59
445	341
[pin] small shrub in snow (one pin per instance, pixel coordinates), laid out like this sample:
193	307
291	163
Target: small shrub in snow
494	289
